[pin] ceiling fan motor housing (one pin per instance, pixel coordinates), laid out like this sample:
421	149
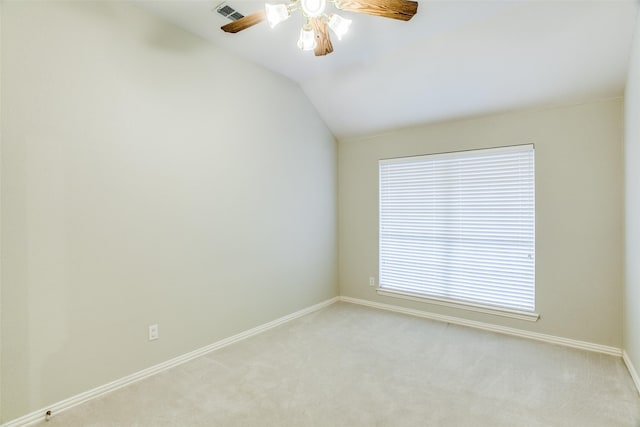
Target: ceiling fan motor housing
313	8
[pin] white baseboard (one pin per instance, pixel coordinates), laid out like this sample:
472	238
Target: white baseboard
583	345
632	370
40	415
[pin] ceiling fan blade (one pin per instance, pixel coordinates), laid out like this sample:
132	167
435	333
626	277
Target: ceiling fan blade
323	42
396	9
245	22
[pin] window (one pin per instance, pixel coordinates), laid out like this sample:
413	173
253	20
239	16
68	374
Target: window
460	228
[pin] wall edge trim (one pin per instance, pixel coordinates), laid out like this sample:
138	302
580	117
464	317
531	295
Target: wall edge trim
552	339
61	406
632	370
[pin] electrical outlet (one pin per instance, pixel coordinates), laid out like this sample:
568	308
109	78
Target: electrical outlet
372	281
154	333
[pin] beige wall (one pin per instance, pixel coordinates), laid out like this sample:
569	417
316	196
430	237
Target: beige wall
632	206
147	177
579	240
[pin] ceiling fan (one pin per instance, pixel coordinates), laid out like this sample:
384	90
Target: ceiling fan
315	33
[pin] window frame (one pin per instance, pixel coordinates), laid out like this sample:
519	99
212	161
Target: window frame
436	299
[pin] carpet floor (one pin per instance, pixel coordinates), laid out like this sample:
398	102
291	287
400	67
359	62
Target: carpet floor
348	365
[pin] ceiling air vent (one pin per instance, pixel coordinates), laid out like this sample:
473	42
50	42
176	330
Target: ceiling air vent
228	12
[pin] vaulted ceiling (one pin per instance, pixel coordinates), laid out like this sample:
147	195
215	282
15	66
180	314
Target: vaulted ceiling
454	59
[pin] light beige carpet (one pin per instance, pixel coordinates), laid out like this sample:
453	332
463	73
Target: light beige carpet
353	366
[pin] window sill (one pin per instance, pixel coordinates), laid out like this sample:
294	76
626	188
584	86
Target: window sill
514	314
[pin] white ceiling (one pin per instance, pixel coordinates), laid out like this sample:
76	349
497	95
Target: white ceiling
453	59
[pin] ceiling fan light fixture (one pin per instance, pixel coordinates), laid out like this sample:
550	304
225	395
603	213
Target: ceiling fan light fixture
276	13
313	8
339	25
315	33
307	40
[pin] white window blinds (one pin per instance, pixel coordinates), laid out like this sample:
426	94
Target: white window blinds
460	227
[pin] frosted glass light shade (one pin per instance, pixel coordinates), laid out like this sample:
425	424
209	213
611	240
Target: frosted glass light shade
313	8
276	13
339	25
307	40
